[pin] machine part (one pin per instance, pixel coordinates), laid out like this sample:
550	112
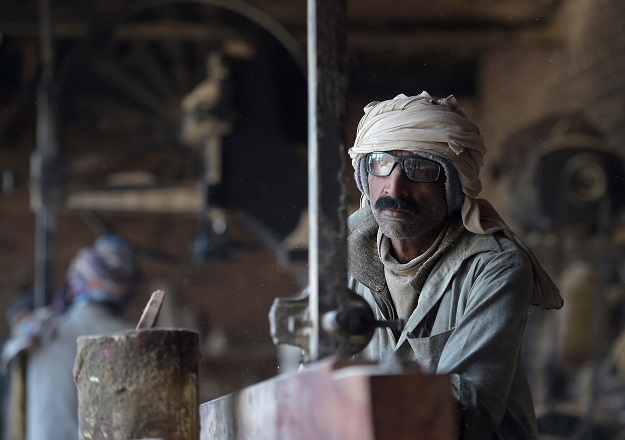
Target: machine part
290	322
572	182
205	124
328	319
354	321
585	179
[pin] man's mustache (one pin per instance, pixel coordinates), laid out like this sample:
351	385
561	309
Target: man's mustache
388	202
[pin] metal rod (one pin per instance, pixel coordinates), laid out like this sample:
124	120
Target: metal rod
201	242
327	84
46	150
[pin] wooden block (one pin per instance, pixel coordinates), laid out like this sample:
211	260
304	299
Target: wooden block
335	401
138	384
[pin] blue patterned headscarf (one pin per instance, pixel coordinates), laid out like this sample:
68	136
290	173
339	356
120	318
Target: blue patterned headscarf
105	273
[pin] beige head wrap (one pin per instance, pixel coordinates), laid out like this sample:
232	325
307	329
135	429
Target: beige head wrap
438	126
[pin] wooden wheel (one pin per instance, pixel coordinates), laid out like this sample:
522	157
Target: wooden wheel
119	98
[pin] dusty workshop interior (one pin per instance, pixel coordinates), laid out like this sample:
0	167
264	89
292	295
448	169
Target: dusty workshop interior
183	127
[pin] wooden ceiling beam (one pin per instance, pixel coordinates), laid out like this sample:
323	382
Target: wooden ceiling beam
292	14
460	40
161	30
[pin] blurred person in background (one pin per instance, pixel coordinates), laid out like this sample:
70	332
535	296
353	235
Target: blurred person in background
100	283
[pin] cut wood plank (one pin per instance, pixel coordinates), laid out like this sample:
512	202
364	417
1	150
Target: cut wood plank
336	400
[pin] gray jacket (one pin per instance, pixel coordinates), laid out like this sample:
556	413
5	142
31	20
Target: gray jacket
52	398
469	323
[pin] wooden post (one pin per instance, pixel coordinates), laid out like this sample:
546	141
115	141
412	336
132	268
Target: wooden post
138	384
327	156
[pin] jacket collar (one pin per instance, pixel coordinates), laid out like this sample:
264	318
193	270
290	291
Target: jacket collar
469	244
363	261
365	266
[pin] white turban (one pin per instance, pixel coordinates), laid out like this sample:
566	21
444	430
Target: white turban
438	126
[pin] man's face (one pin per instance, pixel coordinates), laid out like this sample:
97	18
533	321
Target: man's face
405	209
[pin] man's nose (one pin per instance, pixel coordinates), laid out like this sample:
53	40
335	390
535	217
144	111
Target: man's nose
397	182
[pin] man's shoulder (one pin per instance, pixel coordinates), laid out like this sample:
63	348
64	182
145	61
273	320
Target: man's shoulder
363	229
472	244
491	246
357	218
91	319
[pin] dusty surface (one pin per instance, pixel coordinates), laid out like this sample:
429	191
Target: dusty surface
138	385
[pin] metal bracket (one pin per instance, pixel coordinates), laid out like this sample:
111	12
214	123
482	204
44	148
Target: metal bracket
290	322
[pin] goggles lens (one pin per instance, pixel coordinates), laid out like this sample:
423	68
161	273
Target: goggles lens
415	168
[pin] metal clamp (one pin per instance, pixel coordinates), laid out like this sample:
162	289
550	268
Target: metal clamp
290	322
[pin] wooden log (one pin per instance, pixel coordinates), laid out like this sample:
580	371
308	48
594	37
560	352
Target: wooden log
335	400
138	384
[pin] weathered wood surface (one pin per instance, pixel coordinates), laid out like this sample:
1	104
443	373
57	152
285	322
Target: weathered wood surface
335	401
138	384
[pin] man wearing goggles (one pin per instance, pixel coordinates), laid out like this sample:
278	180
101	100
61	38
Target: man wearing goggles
425	249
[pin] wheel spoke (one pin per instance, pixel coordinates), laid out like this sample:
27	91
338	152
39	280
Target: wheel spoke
134	89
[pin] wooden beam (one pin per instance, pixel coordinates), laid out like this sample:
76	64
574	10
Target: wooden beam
336	400
182	199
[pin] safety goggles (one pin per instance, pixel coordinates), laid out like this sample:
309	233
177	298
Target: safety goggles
415	168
